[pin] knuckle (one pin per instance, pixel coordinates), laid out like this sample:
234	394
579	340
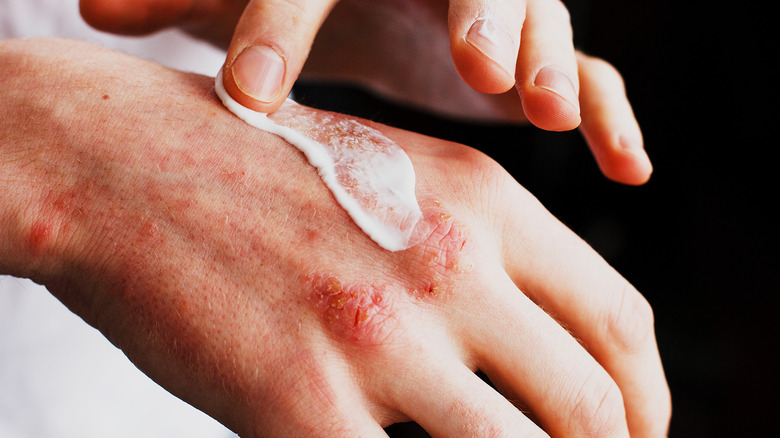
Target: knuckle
629	320
486	185
479	170
598	408
361	313
474	178
441	254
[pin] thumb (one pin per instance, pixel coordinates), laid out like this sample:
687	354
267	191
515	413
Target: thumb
268	50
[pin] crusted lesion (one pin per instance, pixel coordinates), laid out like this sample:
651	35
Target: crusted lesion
443	249
361	312
430	289
368	310
442	255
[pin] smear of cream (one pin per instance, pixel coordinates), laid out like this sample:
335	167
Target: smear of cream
370	176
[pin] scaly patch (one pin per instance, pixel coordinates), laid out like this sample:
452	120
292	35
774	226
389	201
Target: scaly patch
362	313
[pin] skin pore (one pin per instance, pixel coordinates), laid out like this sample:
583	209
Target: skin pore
214	257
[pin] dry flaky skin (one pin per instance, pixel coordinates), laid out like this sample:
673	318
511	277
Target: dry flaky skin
212	254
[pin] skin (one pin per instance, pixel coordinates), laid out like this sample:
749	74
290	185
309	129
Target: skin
428	44
205	249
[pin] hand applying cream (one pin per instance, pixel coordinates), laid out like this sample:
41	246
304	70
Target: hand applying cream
370	176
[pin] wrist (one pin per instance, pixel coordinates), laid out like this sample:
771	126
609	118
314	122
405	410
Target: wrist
38	116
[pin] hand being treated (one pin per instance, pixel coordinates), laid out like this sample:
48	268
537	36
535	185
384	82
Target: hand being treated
212	254
441	56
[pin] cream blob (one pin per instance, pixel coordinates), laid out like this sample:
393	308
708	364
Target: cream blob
370	176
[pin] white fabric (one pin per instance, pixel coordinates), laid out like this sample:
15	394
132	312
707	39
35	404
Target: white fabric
60	378
60	18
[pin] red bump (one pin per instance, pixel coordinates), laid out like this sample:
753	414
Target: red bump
40	234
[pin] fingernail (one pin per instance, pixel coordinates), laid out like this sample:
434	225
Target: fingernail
635	146
630	143
258	72
554	79
494	43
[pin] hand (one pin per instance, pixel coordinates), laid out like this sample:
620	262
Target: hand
401	48
214	257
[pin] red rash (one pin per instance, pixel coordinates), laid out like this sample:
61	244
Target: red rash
362	313
443	247
366	312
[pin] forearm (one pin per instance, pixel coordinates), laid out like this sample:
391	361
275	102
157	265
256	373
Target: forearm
66	126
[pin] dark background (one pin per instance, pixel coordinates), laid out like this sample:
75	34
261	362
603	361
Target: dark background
699	239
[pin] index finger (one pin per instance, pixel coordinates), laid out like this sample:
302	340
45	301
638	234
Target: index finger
484	37
614	322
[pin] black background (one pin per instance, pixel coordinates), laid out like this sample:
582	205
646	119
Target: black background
700	239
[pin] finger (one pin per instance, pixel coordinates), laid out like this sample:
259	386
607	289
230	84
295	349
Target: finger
134	17
212	20
547	67
536	361
315	396
268	50
484	38
613	321
449	401
609	125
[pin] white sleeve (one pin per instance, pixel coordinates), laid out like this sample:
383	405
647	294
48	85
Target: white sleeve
25	19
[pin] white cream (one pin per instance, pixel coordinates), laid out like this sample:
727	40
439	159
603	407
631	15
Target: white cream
370	176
